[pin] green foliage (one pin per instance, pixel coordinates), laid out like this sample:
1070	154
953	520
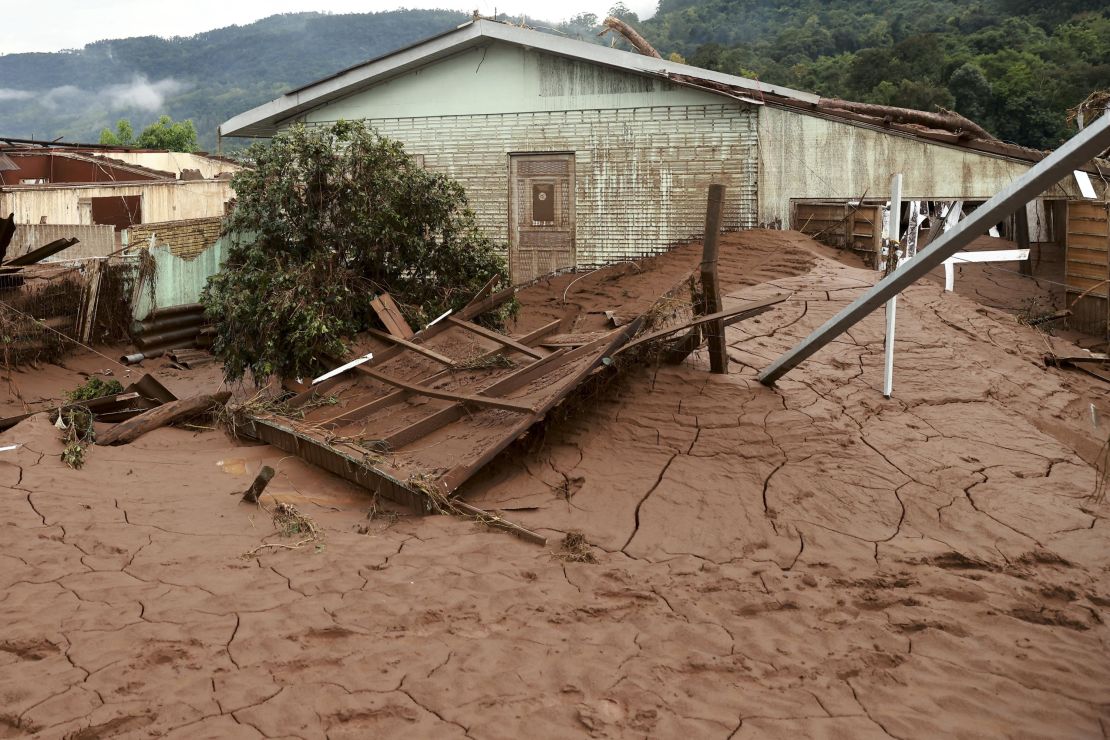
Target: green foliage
335	216
124	135
173	136
1013	66
94	388
77	434
165	133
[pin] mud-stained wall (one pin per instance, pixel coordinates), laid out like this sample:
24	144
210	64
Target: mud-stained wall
804	156
161	201
641	175
645	149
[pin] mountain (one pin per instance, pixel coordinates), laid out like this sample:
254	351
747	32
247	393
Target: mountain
208	77
1015	66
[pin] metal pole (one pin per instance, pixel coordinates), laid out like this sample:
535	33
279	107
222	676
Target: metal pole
1081	148
893	247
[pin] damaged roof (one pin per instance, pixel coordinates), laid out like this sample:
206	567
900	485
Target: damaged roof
267	118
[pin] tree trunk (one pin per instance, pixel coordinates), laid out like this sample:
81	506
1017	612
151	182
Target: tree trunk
948	120
638	41
160	416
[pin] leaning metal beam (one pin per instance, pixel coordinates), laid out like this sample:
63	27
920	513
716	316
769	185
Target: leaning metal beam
1083	147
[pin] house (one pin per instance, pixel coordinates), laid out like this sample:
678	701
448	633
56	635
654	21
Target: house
96	194
575	154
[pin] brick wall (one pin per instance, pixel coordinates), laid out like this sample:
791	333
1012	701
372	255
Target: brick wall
641	173
186	239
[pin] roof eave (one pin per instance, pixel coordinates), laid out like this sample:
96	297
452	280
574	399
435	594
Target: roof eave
264	120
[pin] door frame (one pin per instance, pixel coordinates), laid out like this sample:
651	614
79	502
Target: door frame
572	200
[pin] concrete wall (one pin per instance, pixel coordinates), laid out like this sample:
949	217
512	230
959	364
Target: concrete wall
161	201
175	162
95	241
645	150
803	156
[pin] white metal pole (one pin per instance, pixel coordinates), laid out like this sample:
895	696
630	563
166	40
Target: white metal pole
893	249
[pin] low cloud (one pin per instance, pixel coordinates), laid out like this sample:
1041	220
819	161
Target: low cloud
142	93
138	94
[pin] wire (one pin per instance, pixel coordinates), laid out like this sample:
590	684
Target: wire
64	336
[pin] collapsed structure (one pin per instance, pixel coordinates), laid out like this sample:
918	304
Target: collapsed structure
75	224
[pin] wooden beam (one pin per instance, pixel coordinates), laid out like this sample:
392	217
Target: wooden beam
499	338
424	390
423	427
486	304
420	349
727	317
536	334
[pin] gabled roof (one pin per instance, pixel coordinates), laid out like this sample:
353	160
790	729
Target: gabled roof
265	119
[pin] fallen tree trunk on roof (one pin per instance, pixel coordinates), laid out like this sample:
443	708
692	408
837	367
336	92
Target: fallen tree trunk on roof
947	120
167	413
639	42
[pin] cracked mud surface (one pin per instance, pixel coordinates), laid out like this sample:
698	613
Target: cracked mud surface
808	561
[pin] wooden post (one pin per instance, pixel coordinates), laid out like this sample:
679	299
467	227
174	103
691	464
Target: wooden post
710	283
252	494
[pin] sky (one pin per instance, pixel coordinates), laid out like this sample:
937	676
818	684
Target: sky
70	24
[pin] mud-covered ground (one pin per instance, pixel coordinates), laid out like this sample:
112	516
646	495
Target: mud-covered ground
806	561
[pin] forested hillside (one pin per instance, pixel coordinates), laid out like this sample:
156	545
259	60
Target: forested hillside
208	77
1014	66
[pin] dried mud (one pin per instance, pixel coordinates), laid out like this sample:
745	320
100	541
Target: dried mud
806	561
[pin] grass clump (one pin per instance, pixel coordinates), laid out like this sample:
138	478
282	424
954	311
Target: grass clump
94	388
575	549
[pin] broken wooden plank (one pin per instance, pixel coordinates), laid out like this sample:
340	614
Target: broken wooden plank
729	316
252	494
484	291
499	522
497	337
390	315
486	304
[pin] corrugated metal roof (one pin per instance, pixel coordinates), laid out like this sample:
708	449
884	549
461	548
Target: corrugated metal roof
265	119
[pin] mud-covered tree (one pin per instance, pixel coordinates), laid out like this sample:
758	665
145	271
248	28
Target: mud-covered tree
326	219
